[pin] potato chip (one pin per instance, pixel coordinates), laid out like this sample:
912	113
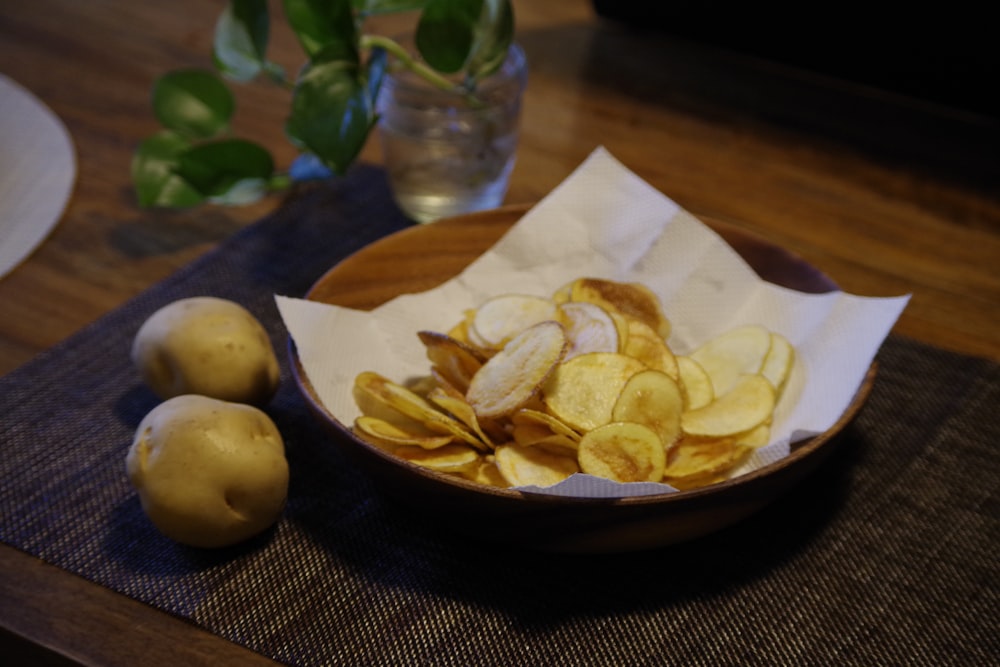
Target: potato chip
622	452
459	408
589	328
453	458
532	416
698	462
456	361
757	437
647	346
486	473
631	299
695	383
412	405
513	376
582	392
748	404
533	466
389	436
778	362
739	351
652	398
502	317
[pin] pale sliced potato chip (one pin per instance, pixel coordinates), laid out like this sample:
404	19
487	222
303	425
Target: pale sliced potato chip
739	351
589	328
622	452
502	317
647	346
454	458
487	474
652	398
456	361
388	436
412	405
695	383
582	392
695	462
748	404
535	435
533	466
756	437
514	375
460	409
778	362
532	416
631	299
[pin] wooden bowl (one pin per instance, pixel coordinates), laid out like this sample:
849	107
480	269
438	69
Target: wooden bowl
420	258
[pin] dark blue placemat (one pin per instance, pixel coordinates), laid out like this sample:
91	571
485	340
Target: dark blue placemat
887	555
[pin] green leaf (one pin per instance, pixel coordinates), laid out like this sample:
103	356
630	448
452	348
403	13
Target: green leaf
373	7
466	35
214	168
445	32
241	35
332	111
154	176
494	33
324	26
195	103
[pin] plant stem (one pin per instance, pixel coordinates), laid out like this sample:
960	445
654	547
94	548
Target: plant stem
411	63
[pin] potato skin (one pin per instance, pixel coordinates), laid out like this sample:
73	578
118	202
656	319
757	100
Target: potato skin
208	473
206	345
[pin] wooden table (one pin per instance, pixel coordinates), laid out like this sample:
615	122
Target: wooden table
887	195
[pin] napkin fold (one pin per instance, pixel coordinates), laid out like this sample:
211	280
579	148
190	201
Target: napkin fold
605	221
37	172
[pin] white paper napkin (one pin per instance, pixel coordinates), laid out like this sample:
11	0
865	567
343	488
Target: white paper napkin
604	221
37	172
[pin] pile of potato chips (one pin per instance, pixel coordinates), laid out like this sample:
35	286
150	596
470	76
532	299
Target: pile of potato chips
527	390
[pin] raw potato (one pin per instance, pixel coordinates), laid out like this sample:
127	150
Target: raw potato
209	346
209	473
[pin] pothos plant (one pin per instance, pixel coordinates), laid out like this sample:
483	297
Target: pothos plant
195	158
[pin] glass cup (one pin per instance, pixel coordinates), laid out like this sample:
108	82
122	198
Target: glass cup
448	153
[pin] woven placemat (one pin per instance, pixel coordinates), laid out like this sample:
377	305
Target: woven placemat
887	555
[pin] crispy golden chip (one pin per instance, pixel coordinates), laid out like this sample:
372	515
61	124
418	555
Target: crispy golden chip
631	299
456	361
698	462
536	435
487	474
778	362
502	317
514	375
371	401
454	458
459	408
412	405
695	383
582	392
389	436
748	404
647	346
739	351
589	328
532	416
756	437
652	398
622	452
533	466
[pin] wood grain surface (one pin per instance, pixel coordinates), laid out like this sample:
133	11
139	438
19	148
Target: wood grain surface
884	194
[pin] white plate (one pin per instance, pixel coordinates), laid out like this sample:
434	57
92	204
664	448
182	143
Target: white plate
37	172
